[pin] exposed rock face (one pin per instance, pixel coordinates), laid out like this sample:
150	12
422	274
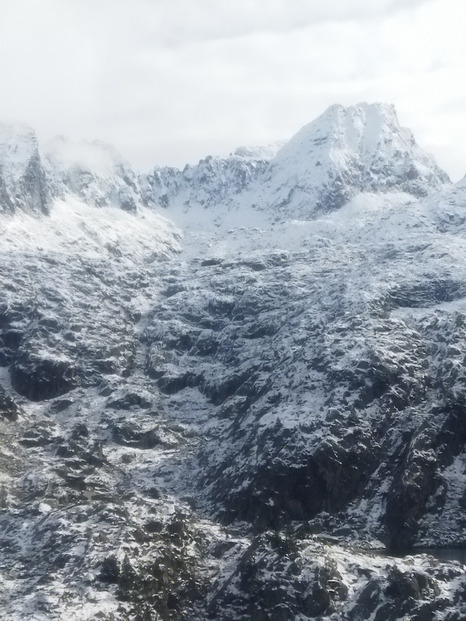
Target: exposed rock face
323	397
263	420
23	184
214	181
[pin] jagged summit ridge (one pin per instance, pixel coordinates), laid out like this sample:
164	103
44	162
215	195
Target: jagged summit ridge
346	151
343	152
94	172
32	178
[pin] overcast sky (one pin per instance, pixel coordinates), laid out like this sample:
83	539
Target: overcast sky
170	81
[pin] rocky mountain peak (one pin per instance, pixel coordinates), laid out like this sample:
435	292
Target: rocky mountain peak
22	178
340	131
345	151
94	172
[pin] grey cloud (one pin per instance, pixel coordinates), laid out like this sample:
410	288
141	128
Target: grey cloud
178	22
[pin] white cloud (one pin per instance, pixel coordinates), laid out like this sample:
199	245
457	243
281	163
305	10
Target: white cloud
172	80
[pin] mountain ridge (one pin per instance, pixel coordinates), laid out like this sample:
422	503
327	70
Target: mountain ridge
342	143
362	148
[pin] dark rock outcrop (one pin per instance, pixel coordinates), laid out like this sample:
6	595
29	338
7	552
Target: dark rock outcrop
23	182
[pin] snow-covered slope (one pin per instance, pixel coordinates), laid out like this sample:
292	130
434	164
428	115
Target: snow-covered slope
256	413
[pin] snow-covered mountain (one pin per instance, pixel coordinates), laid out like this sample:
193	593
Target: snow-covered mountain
347	151
234	391
94	172
342	153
